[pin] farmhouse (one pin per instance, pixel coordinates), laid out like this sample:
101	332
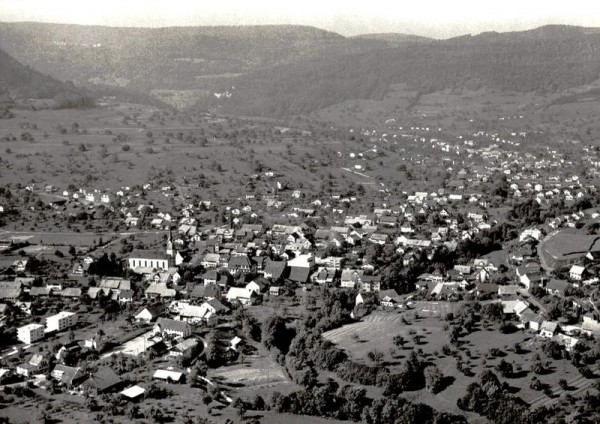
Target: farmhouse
239	294
160	291
557	287
548	329
206	292
68	376
172	327
275	270
102	381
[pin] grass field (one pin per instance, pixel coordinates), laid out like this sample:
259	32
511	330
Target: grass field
377	330
564	245
258	374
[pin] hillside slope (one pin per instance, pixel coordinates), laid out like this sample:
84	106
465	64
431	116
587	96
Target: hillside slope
177	58
546	59
20	81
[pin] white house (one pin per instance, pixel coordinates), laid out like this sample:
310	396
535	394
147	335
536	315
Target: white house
548	329
241	294
576	272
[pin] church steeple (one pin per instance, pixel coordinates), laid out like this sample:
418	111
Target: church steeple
170	250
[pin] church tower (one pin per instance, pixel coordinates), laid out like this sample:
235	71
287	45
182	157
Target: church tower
170	250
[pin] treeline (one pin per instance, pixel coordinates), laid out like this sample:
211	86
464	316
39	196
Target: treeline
489	398
351	403
529	212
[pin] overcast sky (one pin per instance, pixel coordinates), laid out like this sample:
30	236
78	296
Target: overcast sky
434	18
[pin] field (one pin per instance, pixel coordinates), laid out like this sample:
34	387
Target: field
376	331
123	145
258	374
564	246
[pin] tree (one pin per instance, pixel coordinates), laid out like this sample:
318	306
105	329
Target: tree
275	334
399	341
493	311
240	407
376	356
535	383
537	365
433	379
259	403
563	384
504	368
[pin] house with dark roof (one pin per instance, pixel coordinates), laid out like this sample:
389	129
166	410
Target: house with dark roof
209	291
389	298
150	313
275	270
557	287
371	283
125	296
239	264
210	276
68	376
258	285
299	274
102	381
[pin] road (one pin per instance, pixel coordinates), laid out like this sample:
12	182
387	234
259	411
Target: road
540	250
357	173
73	233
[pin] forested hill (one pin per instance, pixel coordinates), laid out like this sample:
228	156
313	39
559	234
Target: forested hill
19	81
175	58
393	39
545	59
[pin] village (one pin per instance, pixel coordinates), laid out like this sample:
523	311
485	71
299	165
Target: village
137	300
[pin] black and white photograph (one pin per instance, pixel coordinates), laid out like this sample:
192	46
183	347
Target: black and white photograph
299	212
